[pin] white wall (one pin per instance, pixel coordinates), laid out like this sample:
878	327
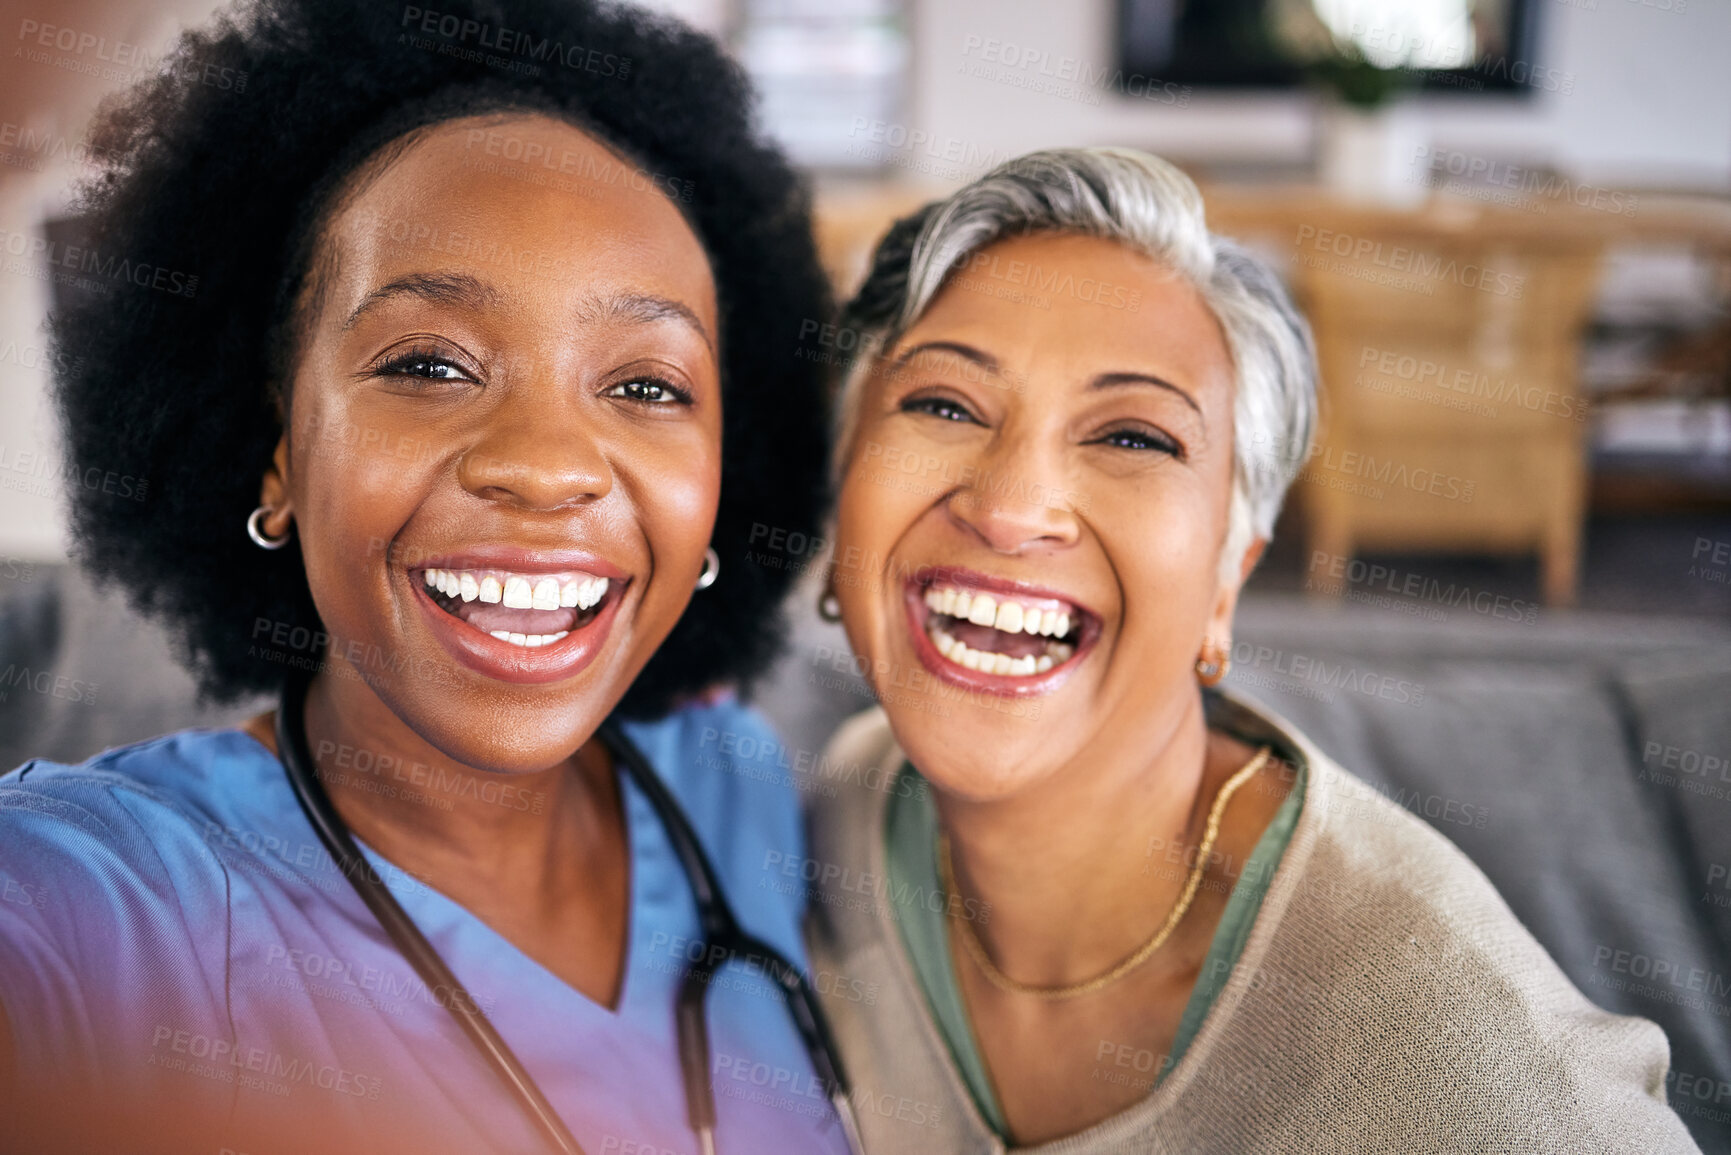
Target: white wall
1650	101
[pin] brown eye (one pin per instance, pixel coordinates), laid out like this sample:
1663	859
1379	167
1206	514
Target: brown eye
418	365
939	407
1141	439
651	391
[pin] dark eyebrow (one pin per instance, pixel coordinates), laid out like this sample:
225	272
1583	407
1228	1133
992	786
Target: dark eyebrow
1108	380
967	352
440	288
990	364
645	309
476	295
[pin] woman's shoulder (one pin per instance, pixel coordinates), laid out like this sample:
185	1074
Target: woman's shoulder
1363	874
178	781
854	777
118	854
739	785
724	762
1391	962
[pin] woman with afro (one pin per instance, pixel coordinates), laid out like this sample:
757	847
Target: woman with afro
456	441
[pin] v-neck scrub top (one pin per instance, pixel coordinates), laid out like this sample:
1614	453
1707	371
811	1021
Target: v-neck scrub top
178	949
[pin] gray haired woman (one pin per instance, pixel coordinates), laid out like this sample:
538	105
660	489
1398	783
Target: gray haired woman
1132	912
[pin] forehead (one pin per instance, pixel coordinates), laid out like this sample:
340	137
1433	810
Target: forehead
1065	306
529	204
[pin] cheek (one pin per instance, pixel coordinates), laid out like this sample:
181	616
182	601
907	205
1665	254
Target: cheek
873	510
354	485
1165	546
675	488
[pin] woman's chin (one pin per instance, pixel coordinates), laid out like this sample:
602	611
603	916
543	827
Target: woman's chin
983	759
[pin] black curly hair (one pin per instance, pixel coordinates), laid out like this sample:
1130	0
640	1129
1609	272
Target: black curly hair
219	168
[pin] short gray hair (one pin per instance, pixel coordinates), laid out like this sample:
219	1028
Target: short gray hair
1141	201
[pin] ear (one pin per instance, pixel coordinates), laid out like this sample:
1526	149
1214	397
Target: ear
1219	634
273	491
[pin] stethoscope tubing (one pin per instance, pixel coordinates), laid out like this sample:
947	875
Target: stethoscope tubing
334	833
716	921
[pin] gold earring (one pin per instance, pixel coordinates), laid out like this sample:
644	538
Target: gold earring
1211	668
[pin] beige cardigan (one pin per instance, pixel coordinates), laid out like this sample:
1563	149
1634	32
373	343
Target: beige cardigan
1387	1000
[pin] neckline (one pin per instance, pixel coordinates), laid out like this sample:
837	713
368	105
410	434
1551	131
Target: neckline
909	818
420	899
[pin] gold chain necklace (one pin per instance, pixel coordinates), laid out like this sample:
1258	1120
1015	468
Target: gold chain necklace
977	950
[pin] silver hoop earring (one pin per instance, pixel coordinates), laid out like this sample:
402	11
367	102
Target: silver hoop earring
829	607
711	569
255	530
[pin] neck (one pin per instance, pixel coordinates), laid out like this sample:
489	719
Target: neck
460	829
1074	869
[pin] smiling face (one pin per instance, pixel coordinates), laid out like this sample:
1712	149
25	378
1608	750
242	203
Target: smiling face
503	455
1030	523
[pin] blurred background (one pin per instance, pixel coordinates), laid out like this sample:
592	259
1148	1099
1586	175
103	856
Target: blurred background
1509	222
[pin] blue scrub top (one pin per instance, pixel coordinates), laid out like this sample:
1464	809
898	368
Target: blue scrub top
176	944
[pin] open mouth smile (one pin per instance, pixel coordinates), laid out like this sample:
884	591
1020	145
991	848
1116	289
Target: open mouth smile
529	610
993	635
517	616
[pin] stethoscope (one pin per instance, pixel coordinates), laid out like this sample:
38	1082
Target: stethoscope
723	941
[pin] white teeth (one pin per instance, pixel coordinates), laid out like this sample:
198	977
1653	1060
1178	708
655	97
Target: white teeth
517	591
518	595
1003	665
530	641
1012	617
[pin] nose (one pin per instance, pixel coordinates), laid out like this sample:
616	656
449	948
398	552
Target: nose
538	452
1018	501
